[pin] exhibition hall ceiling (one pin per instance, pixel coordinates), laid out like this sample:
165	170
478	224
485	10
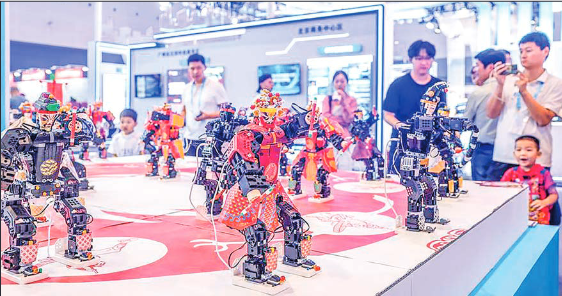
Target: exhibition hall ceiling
137	22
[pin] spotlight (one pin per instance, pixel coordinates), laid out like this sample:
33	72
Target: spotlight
430	25
437	31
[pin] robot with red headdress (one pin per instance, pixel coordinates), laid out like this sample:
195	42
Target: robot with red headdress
256	203
162	138
316	161
97	115
39	153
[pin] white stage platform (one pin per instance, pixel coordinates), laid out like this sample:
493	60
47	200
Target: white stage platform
146	236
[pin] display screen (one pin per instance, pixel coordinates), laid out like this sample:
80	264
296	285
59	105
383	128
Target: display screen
286	78
148	86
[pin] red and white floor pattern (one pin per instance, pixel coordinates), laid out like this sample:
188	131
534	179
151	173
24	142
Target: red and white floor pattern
150	241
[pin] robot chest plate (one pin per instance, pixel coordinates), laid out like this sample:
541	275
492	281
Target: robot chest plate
47	157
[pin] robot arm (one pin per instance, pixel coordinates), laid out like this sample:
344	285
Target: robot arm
297	126
147	139
14	141
455	124
241	156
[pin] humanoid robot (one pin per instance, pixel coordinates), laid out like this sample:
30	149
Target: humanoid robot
416	138
218	133
98	116
317	160
162	138
449	178
39	150
366	149
256	203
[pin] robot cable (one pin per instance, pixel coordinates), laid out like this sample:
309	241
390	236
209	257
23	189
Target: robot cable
191	188
213	220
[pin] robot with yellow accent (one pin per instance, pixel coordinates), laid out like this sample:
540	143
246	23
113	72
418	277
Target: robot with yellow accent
422	131
38	151
447	142
162	138
316	161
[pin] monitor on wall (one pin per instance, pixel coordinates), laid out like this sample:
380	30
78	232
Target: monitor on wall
148	86
286	78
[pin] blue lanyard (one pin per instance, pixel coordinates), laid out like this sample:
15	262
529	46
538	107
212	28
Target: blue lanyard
200	92
535	96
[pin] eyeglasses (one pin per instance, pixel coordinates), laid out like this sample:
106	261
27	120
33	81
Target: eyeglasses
423	58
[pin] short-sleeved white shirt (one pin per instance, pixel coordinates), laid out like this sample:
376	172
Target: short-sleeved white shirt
514	122
207	98
126	145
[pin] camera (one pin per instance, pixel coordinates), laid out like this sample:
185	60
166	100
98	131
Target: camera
511	69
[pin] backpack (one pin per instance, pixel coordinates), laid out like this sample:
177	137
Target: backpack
555	212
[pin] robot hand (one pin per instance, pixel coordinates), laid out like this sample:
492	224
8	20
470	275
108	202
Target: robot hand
346	143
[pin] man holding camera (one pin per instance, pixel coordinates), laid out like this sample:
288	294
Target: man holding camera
525	103
476	111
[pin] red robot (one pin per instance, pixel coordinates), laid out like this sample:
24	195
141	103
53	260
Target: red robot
98	116
163	129
316	161
256	203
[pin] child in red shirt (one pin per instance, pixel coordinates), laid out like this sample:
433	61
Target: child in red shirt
542	189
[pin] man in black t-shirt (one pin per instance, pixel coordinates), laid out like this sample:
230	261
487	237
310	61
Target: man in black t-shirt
404	94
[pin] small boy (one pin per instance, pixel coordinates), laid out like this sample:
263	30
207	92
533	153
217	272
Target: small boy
542	189
127	142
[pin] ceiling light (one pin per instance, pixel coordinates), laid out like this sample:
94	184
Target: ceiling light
430	25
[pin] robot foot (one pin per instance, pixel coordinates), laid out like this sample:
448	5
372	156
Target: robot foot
307	268
415	221
444	221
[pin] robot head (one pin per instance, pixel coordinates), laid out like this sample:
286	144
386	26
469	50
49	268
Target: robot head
358	114
47	109
227	112
98	105
309	114
431	98
165	109
266	108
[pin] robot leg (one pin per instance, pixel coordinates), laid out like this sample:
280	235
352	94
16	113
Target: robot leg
84	151
415	220
213	208
430	211
380	165
102	151
297	244
169	168
321	186
256	268
443	184
76	218
81	170
152	165
21	254
296	176
369	169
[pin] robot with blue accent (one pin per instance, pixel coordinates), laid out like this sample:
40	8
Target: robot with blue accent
218	133
416	138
